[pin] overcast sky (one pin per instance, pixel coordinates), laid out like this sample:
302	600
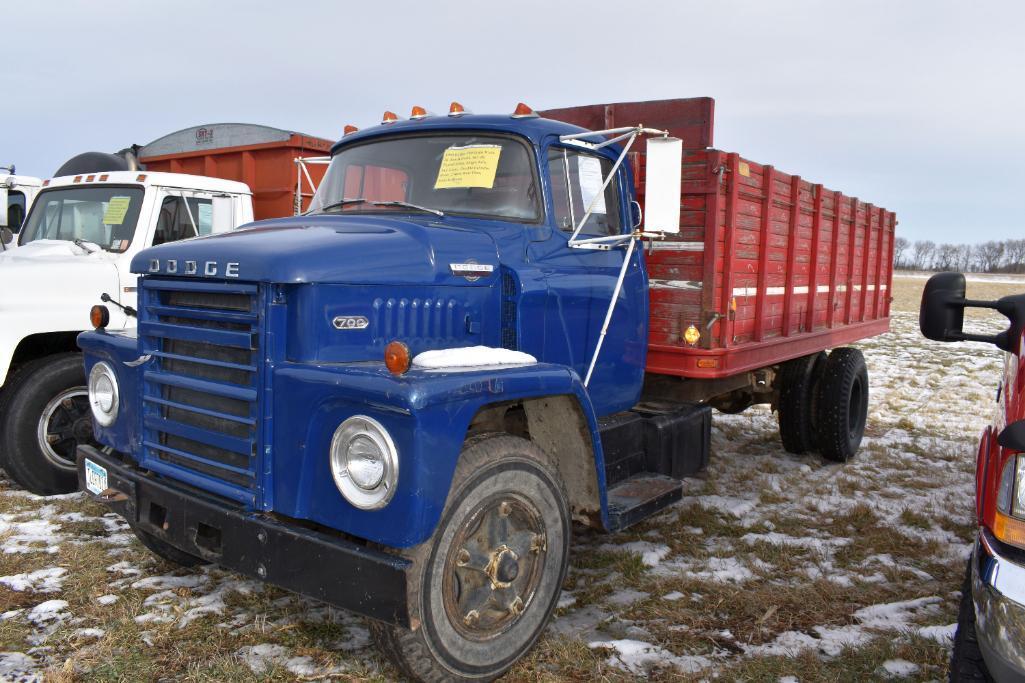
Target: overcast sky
916	106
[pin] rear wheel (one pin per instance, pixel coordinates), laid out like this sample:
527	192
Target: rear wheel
797	382
967	663
484	586
46	418
842	404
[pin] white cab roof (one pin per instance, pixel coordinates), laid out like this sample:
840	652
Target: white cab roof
22	180
181	181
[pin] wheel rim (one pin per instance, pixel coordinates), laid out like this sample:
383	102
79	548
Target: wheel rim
65	423
494	566
855	412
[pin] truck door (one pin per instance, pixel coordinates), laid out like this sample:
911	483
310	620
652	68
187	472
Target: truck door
581	281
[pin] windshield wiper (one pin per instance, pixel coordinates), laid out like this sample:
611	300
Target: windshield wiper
364	200
81	244
409	206
343	202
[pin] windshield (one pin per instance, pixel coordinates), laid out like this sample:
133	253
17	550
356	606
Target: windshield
104	215
481	175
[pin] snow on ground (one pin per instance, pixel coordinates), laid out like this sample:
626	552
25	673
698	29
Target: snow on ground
777	561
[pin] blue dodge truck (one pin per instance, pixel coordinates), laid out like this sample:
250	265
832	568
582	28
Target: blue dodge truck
400	402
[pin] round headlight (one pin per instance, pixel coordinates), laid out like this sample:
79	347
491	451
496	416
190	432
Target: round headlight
103	394
364	462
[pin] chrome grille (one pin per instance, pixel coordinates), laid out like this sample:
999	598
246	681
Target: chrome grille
200	391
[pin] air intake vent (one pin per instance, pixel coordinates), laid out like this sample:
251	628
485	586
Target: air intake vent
510	292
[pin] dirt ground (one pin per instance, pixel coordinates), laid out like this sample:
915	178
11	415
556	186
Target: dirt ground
773	568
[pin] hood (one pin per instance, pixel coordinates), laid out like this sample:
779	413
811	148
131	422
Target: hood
53	273
334	249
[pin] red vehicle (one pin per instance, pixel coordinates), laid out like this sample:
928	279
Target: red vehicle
768	270
990	639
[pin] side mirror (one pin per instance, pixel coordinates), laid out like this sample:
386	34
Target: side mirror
941	316
636	214
663	169
6	236
222	214
3	207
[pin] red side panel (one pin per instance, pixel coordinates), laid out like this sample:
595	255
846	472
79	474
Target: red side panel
269	169
767	266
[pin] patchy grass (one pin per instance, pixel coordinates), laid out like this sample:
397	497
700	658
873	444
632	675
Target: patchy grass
772	565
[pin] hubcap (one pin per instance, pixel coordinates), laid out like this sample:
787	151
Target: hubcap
494	566
64	424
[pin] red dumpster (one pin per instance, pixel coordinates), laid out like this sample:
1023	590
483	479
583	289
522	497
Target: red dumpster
259	156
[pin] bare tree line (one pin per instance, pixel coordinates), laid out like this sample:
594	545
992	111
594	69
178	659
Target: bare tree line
1006	256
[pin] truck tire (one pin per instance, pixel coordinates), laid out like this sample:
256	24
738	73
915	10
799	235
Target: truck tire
46	417
966	663
167	551
797	382
484	586
842	404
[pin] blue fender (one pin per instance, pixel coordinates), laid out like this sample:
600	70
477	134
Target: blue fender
427	414
118	349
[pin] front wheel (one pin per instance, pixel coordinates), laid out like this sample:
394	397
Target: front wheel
47	417
484	586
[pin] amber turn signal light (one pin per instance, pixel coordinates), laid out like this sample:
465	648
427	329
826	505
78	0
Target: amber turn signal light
1009	530
396	357
99	316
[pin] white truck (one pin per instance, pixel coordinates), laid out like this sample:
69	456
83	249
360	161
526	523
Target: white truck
16	195
76	244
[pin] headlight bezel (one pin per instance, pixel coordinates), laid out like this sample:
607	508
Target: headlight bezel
102	371
351	429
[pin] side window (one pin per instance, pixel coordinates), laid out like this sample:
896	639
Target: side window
15	210
182	218
576	179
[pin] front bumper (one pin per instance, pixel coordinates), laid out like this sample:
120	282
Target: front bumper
334	570
998	590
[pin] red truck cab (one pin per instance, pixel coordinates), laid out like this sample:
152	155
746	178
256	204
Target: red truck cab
990	639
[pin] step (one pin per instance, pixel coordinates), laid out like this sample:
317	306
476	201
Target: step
641	496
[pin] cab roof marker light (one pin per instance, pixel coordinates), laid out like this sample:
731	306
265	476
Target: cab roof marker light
418	113
389	117
523	111
46	182
91	178
104	177
456	109
77	179
349	129
141	178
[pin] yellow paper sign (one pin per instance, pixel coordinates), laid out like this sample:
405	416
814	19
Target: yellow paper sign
469	166
117	207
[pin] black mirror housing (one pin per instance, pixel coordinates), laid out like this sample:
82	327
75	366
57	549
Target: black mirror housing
941	315
6	236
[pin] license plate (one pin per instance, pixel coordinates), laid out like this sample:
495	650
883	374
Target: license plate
95	477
